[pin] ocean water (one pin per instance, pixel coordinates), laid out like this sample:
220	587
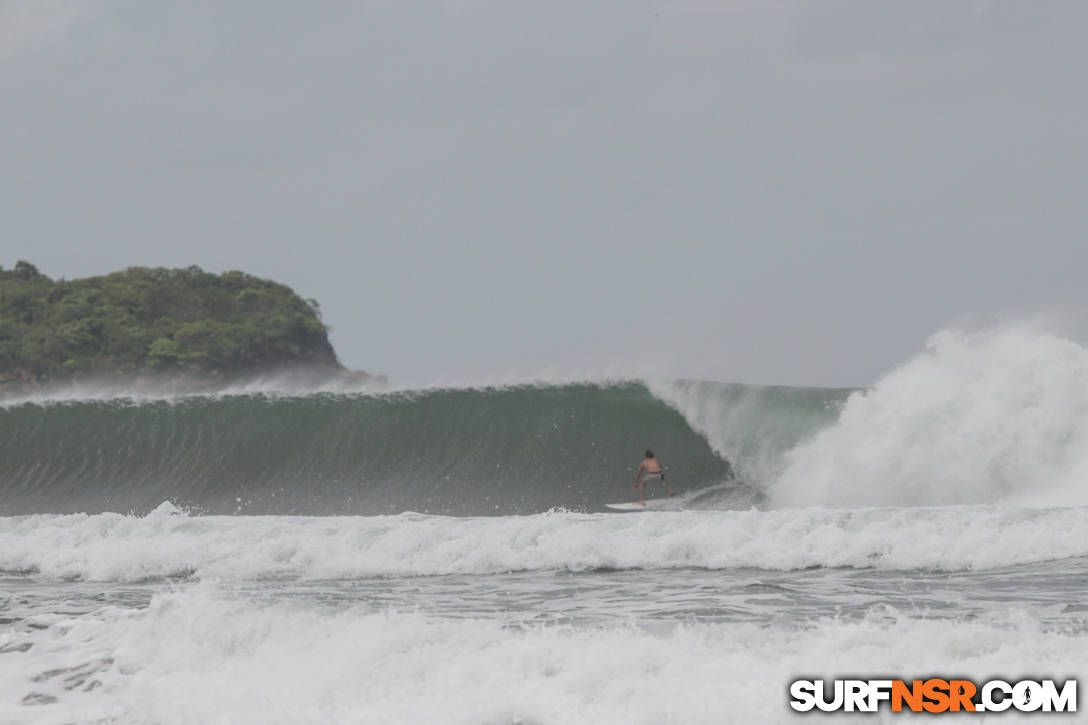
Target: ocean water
444	555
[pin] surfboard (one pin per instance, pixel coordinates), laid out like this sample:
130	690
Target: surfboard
652	504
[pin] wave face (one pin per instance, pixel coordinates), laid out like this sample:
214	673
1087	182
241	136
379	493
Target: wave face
512	450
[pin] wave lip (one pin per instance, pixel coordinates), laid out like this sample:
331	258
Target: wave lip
112	547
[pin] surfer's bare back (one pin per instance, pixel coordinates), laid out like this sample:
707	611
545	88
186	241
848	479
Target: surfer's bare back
652	468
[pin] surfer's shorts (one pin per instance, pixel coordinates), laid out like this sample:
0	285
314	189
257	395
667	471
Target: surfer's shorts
659	476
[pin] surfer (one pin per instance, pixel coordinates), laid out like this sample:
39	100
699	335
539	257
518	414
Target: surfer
652	468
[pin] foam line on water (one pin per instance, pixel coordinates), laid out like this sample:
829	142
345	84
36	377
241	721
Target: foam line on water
113	547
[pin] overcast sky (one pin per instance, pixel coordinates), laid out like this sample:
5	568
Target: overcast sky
759	191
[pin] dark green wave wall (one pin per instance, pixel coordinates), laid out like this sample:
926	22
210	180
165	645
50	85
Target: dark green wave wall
466	452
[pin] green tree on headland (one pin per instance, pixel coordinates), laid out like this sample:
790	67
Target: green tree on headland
141	320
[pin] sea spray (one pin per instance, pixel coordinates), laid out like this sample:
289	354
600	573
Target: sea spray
985	417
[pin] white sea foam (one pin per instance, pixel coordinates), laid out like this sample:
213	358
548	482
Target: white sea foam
201	655
995	416
112	547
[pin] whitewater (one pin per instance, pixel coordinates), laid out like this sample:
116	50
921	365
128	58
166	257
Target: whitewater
444	555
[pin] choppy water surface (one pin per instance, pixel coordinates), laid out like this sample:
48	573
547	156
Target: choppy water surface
529	646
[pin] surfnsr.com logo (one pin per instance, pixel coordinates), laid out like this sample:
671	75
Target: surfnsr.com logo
933	695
